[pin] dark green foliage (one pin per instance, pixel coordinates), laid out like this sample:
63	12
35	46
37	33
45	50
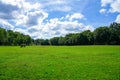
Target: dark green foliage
61	41
54	41
107	35
114	33
13	38
89	35
101	35
3	36
41	42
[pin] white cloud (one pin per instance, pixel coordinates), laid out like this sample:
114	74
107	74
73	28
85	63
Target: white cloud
72	17
76	16
102	11
23	13
57	27
114	7
33	18
60	8
56	2
21	30
63	5
118	19
106	2
6	25
7	10
21	20
89	27
22	4
56	5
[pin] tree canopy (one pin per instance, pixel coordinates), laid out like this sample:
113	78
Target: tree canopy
105	35
8	37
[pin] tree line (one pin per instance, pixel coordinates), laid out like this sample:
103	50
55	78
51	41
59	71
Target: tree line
9	37
105	35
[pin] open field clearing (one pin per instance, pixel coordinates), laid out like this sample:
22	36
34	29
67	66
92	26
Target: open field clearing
60	63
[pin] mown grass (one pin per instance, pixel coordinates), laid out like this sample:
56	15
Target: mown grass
60	63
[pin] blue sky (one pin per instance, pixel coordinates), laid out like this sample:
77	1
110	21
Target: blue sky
51	18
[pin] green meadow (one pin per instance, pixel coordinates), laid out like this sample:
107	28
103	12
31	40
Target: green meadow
60	63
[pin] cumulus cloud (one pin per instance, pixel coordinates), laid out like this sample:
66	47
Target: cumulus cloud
73	17
106	2
114	7
24	13
33	18
6	25
118	19
7	10
64	5
102	11
21	30
60	8
58	27
56	5
76	16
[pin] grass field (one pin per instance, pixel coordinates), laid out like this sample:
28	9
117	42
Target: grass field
60	63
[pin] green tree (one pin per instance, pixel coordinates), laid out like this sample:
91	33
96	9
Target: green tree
101	35
11	37
61	41
3	36
89	37
54	41
114	33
